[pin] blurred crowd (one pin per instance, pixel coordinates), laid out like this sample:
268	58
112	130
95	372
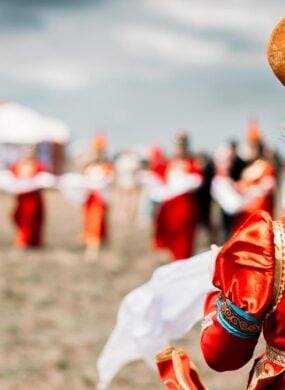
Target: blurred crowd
175	195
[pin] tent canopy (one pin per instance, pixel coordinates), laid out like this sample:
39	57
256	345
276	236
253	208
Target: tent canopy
22	125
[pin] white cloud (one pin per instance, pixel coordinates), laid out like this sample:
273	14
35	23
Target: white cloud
251	18
79	50
160	44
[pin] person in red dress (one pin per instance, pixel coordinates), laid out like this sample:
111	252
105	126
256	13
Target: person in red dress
29	212
260	175
99	170
177	216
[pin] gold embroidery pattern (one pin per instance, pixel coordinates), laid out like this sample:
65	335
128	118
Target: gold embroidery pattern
263	369
236	321
275	355
279	274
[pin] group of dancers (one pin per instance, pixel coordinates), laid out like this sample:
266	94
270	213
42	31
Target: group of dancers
177	192
238	289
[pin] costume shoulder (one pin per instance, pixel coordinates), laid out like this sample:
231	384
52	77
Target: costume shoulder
244	270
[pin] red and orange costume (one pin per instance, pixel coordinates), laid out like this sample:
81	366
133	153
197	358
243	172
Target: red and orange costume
250	277
260	174
29	213
95	208
177	218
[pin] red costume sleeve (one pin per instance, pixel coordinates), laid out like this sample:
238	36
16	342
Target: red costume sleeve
244	275
177	371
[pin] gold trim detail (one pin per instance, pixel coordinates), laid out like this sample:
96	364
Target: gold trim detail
166	354
174	354
239	323
279	273
275	355
264	367
178	369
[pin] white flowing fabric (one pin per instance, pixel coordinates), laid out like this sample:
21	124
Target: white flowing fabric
74	186
229	199
179	183
149	317
15	185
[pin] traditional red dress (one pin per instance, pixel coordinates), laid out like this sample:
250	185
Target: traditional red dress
177	218
250	276
260	174
95	208
250	279
29	213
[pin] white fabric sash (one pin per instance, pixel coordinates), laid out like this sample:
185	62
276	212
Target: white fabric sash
229	199
149	317
178	183
75	186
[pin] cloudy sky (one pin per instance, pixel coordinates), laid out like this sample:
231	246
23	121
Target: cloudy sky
140	69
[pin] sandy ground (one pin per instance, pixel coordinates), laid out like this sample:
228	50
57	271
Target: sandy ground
57	310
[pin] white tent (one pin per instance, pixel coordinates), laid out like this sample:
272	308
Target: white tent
22	125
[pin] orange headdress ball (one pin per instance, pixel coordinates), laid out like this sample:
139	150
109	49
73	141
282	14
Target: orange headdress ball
276	51
99	143
253	134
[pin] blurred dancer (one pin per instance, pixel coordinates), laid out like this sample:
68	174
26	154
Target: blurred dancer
204	193
152	175
98	170
157	162
229	164
260	176
177	216
29	213
127	167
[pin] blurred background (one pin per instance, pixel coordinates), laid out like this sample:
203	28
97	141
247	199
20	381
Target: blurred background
141	69
93	93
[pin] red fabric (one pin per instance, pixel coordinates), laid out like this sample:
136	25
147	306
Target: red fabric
268	376
158	163
244	268
245	272
176	219
175	227
95	208
223	351
29	212
188	372
159	168
94	213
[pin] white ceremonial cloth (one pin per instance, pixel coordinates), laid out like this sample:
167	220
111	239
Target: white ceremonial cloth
229	199
15	185
178	183
149	317
74	186
77	187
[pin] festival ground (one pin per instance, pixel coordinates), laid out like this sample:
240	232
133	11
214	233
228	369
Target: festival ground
57	309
